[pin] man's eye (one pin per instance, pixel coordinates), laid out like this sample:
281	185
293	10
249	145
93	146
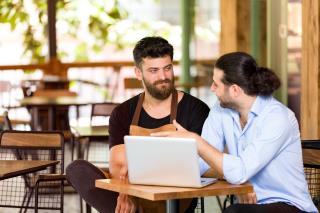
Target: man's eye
168	68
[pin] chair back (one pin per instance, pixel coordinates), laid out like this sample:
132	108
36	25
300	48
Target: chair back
132	87
5	121
82	176
5	93
32	145
102	109
311	161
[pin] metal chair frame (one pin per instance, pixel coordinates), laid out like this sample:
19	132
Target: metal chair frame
50	146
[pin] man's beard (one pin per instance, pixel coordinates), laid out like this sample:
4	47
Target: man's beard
227	104
162	93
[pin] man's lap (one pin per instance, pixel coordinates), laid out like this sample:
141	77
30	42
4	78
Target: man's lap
262	208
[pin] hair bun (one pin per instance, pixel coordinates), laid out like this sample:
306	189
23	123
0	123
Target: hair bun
265	81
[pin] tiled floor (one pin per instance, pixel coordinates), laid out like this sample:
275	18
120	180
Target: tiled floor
72	205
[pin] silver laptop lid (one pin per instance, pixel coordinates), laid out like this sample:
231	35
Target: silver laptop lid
162	161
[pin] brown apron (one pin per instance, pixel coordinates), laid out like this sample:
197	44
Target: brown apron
156	206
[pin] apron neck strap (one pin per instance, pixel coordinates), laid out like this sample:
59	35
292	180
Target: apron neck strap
173	112
174	105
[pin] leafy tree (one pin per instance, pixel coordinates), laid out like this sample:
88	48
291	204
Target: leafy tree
32	17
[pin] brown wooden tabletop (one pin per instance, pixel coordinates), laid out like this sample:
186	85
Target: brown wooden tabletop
91	131
155	193
34	102
57	101
13	168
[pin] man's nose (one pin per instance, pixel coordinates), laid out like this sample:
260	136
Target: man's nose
162	74
213	88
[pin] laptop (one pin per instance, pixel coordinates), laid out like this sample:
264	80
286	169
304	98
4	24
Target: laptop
164	161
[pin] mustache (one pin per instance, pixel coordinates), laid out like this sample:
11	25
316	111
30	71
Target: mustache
163	81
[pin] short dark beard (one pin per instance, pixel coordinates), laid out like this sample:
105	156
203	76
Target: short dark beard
160	94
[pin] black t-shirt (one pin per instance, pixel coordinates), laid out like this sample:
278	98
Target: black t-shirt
191	114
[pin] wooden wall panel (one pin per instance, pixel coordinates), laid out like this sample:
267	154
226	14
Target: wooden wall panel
310	113
235	26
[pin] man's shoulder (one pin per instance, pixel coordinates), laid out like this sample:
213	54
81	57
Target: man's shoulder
273	106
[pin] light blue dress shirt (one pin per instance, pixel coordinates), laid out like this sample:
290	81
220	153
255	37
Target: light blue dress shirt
267	152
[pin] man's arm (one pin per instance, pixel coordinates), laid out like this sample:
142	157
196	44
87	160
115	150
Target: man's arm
210	173
118	162
259	152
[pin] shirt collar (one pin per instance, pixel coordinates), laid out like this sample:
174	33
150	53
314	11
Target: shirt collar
259	104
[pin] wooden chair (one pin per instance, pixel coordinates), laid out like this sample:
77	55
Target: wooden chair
10	123
132	87
40	190
97	110
5	121
311	161
5	94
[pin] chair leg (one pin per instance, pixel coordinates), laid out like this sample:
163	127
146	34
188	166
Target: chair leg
219	203
36	198
88	208
28	201
202	204
72	148
88	149
23	201
62	195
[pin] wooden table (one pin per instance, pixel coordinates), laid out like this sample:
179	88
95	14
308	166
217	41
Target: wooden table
100	132
172	194
13	168
52	103
93	133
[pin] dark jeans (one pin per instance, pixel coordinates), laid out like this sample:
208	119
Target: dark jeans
262	208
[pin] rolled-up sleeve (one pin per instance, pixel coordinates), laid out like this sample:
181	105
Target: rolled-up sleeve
213	134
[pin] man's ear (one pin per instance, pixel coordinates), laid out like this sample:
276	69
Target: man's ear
138	73
235	90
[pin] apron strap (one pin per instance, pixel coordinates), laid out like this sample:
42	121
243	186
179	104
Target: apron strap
173	113
174	106
137	111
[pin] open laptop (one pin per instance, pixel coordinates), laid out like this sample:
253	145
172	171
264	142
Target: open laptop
164	161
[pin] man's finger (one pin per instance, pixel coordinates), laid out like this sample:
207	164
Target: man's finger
254	198
118	207
133	209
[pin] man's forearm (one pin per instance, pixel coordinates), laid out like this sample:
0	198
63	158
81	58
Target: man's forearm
210	173
117	162
211	155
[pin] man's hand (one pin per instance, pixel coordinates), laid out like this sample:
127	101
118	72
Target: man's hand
180	133
123	173
125	204
249	198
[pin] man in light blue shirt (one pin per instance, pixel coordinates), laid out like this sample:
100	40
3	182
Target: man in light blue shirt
261	135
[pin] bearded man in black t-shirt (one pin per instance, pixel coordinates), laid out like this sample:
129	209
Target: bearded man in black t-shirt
151	111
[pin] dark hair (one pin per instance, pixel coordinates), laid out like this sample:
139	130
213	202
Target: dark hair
240	68
153	47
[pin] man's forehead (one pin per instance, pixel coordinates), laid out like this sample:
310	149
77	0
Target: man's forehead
156	62
217	73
